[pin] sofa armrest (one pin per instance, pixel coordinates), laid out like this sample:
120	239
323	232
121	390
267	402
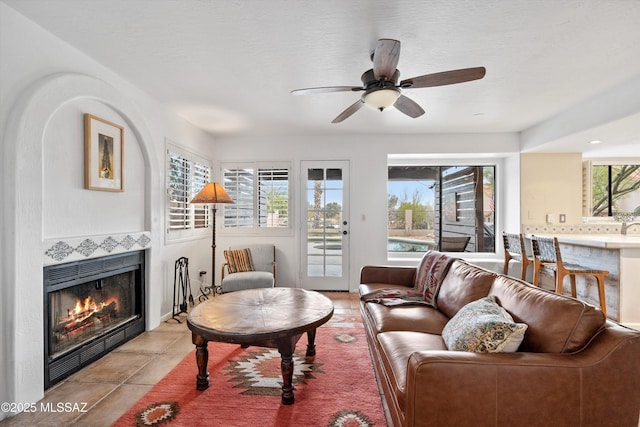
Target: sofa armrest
388	274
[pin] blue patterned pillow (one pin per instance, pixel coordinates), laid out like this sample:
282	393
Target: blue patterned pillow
483	326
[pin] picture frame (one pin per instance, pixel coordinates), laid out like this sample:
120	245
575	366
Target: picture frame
103	154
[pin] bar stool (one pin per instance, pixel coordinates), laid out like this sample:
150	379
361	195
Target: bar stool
514	248
546	254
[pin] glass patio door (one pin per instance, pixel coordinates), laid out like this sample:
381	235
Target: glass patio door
325	234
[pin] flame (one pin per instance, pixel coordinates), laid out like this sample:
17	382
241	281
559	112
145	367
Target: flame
87	307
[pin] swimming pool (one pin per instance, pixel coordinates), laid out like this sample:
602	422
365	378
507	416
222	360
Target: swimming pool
393	245
406	245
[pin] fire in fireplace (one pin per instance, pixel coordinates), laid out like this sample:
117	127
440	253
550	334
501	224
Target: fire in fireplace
92	307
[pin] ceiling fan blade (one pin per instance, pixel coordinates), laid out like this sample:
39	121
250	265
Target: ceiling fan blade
349	111
408	107
385	58
328	89
444	78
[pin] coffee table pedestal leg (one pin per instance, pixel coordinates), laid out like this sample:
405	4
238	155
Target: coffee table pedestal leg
311	344
202	358
286	347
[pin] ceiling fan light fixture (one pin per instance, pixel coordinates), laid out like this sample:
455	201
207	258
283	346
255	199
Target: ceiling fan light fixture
380	86
382	98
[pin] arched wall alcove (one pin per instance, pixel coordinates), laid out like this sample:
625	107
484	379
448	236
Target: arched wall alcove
24	210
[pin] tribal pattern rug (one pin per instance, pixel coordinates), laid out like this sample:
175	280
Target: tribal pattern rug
336	388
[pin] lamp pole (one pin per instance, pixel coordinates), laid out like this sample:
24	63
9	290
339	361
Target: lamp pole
213	193
215	289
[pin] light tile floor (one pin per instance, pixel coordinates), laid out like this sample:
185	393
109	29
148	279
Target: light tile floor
112	384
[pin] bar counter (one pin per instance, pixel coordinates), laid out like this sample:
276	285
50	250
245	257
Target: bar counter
620	255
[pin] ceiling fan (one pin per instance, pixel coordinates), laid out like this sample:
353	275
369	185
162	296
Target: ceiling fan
380	84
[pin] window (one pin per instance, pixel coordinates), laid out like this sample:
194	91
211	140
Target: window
261	195
450	208
187	173
611	188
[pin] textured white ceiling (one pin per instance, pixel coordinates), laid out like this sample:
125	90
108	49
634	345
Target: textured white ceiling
229	66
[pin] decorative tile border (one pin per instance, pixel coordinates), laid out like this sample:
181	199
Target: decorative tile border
582	228
57	251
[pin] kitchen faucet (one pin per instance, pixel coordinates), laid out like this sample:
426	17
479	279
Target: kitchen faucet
624	227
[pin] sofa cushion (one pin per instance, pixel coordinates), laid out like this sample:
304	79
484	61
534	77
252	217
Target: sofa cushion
395	349
247	280
483	326
417	318
238	260
556	323
463	284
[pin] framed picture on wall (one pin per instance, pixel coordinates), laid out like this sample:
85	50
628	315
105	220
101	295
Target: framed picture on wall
103	154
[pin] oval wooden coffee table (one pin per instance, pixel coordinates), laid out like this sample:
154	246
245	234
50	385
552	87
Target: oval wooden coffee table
271	317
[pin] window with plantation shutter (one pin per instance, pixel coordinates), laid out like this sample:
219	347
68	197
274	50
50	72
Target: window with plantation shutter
261	195
187	173
273	197
239	183
201	175
179	178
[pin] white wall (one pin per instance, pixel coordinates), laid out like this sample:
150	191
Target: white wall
76	211
368	163
46	86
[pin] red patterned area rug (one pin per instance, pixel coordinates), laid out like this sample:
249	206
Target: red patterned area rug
336	388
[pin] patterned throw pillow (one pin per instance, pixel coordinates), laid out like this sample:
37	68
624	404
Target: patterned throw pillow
482	326
238	260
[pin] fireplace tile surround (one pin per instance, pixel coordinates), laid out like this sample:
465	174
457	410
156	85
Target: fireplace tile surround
67	249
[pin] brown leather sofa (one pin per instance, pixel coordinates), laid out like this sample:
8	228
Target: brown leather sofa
573	368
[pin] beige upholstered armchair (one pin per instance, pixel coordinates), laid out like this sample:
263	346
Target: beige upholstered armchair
249	267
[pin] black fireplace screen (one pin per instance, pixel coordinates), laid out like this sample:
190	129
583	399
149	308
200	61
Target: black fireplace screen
90	309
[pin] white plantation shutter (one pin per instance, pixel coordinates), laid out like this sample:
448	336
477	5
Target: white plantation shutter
261	195
187	173
201	212
239	183
179	192
273	197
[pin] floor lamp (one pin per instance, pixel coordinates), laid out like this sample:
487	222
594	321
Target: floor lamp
212	193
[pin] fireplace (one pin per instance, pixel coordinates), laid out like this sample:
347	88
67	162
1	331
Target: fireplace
91	307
